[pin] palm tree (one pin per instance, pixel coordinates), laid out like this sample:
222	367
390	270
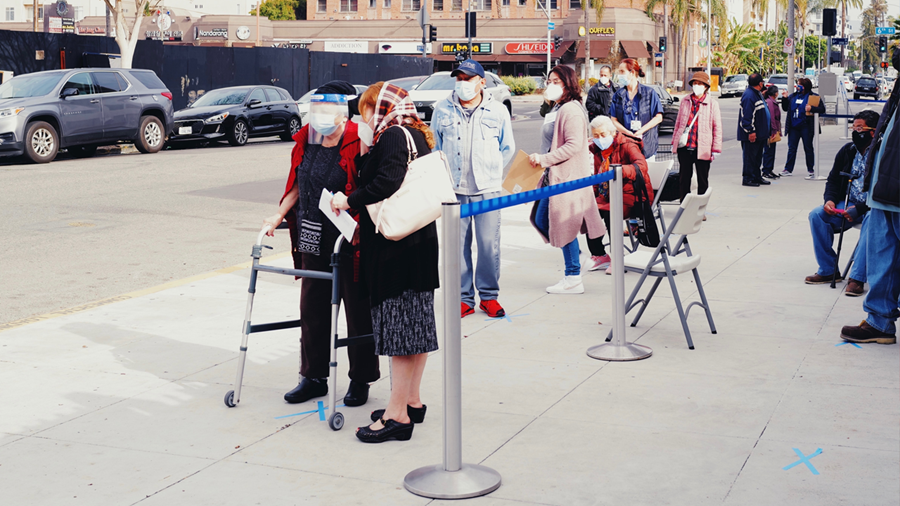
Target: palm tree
681	14
738	48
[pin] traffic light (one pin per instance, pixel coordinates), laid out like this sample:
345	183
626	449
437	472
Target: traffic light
662	44
884	64
432	33
659	64
557	41
882	45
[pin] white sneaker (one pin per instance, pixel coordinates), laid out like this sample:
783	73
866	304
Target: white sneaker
786	173
569	284
811	175
596	263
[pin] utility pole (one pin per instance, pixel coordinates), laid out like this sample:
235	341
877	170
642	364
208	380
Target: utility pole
257	21
546	10
108	33
469	27
709	39
791	70
34	15
587	45
666	35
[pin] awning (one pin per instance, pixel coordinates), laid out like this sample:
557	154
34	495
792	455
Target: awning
599	49
653	47
565	46
635	48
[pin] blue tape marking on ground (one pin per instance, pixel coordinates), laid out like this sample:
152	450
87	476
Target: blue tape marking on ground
505	317
848	342
321	410
804	459
752	196
486	206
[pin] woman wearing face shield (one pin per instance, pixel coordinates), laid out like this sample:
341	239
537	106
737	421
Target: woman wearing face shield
611	147
324	157
698	116
635	108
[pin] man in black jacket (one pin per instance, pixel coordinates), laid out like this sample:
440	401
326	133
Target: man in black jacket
827	219
600	94
754	124
883	246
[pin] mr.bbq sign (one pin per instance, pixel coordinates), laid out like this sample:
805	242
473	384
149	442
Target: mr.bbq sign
526	48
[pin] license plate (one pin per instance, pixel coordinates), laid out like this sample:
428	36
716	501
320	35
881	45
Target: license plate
185	130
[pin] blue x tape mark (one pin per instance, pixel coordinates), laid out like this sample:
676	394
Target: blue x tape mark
848	342
505	317
804	459
320	410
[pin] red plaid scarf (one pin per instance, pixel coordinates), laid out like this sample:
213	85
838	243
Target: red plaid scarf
393	108
695	109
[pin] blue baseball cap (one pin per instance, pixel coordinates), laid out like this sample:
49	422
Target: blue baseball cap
470	68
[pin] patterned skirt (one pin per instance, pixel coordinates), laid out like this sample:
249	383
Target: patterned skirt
404	325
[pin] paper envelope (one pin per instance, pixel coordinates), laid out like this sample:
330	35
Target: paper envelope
522	177
813	101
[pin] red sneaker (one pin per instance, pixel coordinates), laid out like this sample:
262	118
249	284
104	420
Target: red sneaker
466	310
492	308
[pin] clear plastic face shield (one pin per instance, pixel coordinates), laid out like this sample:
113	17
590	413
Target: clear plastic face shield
328	115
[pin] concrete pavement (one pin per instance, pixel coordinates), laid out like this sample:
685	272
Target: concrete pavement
121	403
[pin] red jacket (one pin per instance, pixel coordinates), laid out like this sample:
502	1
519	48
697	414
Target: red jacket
349	152
626	151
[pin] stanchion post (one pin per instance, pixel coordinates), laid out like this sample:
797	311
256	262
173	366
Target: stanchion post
452	479
619	349
816	128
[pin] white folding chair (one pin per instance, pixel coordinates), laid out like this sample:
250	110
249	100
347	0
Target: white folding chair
659	172
668	262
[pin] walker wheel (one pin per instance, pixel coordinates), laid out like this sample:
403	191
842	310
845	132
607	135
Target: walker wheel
229	399
336	421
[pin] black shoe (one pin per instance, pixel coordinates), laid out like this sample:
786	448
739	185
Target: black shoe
770	175
865	333
416	415
392	430
357	394
763	182
749	183
306	390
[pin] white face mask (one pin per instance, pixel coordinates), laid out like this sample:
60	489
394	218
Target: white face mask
465	90
604	80
699	89
366	134
553	92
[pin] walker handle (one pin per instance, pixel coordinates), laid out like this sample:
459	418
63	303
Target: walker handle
262	234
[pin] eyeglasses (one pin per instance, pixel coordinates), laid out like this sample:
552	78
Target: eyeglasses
862	129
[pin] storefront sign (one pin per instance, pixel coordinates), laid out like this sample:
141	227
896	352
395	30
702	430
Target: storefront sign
602	31
527	48
91	30
166	35
211	32
60	25
479	48
297	44
402	48
346	46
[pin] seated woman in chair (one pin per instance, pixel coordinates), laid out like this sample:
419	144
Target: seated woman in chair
612	147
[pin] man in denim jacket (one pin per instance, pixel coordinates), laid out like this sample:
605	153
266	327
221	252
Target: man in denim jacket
475	133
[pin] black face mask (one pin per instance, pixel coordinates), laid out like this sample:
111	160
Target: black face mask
862	140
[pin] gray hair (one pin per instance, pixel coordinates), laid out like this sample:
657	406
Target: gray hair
604	124
606	66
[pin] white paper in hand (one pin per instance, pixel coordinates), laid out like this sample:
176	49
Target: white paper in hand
345	223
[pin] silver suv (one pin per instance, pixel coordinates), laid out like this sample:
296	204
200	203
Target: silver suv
81	109
734	85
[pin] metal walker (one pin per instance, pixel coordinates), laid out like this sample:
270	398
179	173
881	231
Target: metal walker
233	397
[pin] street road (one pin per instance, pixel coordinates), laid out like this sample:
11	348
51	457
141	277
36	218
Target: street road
76	231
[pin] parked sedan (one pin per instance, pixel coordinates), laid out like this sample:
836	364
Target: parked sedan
885	87
734	85
779	80
236	114
867	87
670	108
81	109
847	82
439	85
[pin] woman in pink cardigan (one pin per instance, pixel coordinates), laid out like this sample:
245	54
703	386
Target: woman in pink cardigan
704	139
564	153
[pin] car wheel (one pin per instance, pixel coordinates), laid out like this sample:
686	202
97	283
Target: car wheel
41	142
508	105
150	136
86	151
293	127
239	133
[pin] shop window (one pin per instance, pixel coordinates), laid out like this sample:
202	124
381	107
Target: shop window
523	3
10	13
373	4
505	3
456	5
575	4
387	4
542	3
29	13
411	5
438	5
482	5
349	5
322	6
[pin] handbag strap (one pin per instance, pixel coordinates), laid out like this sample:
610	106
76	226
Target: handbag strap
693	121
410	146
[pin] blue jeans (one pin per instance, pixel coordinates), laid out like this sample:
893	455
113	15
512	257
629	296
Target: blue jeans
794	137
858	269
768	162
823	226
487	239
883	269
571	251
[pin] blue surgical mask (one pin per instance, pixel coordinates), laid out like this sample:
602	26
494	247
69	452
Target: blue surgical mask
465	90
603	142
622	80
322	123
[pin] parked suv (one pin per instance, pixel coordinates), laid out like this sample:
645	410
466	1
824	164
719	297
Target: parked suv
734	85
81	109
238	113
439	85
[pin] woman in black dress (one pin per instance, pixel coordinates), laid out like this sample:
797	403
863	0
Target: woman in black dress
400	276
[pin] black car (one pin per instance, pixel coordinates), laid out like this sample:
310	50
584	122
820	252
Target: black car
670	108
235	114
867	87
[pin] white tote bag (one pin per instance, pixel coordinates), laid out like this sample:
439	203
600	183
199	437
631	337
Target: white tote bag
418	202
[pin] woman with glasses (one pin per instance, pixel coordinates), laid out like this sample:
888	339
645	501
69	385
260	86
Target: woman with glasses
635	109
565	156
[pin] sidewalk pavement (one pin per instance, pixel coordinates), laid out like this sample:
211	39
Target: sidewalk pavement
122	403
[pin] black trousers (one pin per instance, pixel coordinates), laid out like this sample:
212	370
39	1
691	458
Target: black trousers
596	245
315	317
753	152
687	161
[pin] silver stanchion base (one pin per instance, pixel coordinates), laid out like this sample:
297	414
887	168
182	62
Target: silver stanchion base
619	353
471	480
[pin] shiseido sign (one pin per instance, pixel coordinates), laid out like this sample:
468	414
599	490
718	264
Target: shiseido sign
527	48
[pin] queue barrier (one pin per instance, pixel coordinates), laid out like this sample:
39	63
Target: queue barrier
453	479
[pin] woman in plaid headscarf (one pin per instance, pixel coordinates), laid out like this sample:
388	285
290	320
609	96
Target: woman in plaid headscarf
400	276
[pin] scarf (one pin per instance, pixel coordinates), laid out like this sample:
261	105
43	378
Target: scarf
393	108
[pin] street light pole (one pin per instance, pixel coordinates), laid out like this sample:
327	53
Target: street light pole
709	39
791	70
257	21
